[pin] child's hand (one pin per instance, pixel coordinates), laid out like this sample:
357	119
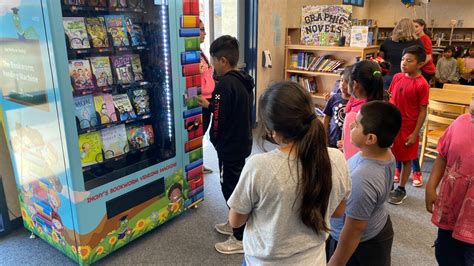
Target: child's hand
430	199
203	101
340	144
411	139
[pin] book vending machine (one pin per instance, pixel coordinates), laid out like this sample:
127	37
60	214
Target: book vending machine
101	117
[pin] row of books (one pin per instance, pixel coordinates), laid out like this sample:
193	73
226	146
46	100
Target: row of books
106	108
87	74
106	3
112	142
309	83
310	62
80	31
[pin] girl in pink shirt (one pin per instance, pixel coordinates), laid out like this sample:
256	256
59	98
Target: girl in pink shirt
452	207
365	84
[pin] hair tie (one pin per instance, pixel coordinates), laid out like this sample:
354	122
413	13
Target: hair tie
309	119
377	73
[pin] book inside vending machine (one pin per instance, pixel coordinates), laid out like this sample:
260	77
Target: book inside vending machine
101	116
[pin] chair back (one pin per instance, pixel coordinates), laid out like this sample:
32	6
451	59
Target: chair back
451	96
458	87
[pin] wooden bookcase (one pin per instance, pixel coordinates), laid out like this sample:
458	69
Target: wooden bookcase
324	80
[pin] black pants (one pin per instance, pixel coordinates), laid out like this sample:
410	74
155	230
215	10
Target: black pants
206	118
428	77
376	251
452	252
466	82
230	174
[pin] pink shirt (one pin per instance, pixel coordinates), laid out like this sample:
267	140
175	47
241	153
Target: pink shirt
207	81
454	207
353	106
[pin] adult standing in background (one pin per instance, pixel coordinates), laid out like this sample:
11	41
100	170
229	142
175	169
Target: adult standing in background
403	36
207	85
428	70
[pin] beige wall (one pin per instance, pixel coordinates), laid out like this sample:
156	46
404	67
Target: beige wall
442	11
272	25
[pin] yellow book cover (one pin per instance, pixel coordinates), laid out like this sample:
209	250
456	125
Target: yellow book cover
90	147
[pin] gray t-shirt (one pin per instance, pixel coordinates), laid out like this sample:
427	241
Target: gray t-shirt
371	185
275	233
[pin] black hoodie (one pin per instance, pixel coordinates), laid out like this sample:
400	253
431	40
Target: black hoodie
231	105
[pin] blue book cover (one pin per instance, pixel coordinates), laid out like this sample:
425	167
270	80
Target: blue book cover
135	32
189	32
190	57
117	28
85	111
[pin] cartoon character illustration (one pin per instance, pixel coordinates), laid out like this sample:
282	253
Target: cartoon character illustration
57	227
123	228
85	149
175	196
29	33
54	200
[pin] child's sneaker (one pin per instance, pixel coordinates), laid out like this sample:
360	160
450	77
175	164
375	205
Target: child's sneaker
397	196
417	179
207	170
396	178
224	229
230	246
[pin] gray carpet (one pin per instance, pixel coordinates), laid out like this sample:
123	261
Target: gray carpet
190	238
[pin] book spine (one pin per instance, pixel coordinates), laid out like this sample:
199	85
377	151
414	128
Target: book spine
193	81
189	32
190	57
192	43
190	22
191	69
191	7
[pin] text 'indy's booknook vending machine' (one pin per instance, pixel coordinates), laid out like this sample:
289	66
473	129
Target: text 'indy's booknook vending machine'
101	117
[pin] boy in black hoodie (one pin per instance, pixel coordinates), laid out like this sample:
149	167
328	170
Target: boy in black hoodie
231	128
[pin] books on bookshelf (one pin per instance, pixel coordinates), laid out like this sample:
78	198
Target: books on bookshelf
310	62
81	75
141	101
97	3
114	141
118	3
117	28
85	111
75	29
102	71
136	67
96	29
90	147
135	32
140	136
123	68
309	83
124	107
104	106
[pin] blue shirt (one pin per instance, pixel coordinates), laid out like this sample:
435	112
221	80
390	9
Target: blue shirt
371	185
335	109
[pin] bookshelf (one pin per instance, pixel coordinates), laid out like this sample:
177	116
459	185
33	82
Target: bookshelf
461	36
324	80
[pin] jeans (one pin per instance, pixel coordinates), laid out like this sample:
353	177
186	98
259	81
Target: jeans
452	252
415	165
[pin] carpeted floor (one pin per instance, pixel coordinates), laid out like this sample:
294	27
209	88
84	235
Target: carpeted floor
190	238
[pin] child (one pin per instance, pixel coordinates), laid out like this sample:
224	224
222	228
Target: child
231	129
365	84
453	207
466	67
334	110
365	235
207	85
409	92
286	196
446	68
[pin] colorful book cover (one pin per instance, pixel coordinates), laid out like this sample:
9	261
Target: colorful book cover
191	69
124	107
135	32
136	67
118	3
97	31
90	147
81	75
192	44
123	68
75	2
195	155
193	81
97	3
101	69
190	21
114	141
116	27
75	29
194	126
191	7
104	106
191	97
136	4
141	101
139	137
85	111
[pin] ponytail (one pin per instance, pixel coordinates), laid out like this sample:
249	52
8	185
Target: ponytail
369	76
287	108
422	23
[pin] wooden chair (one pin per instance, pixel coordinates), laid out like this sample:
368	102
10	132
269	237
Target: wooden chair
458	87
451	96
440	116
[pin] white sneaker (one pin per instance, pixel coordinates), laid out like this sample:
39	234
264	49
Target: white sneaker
230	246
224	229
